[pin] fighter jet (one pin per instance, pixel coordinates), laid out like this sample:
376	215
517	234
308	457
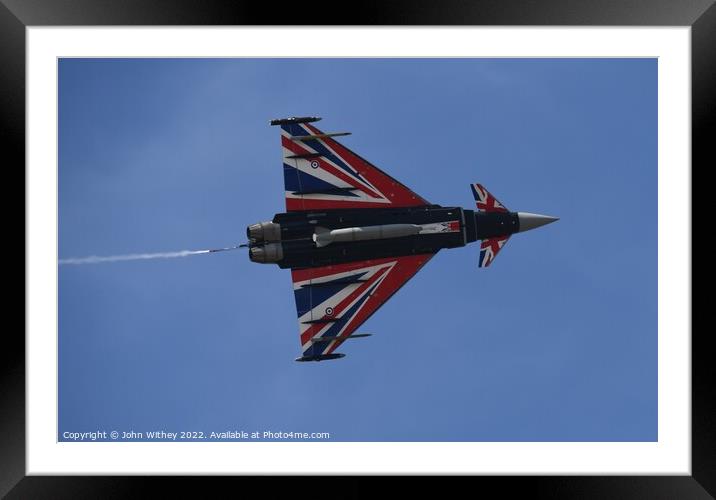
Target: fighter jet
352	235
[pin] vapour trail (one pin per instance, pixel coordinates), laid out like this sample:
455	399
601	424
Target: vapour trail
94	259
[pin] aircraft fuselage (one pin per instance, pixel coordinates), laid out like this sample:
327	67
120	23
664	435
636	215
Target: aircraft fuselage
319	238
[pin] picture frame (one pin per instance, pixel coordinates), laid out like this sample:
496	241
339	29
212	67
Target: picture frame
16	16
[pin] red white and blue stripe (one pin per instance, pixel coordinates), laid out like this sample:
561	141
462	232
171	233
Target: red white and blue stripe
490	248
321	173
485	201
333	301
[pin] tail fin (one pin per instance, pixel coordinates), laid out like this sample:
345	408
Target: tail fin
488	203
485	201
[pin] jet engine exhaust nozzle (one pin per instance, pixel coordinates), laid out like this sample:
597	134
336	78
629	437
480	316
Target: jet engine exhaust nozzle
266	254
264	231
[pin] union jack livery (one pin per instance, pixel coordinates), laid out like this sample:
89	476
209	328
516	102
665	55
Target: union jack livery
352	235
485	201
489	249
332	301
488	203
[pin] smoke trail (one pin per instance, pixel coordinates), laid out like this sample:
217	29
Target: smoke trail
93	259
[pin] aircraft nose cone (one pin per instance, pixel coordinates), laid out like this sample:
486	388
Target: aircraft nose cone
530	221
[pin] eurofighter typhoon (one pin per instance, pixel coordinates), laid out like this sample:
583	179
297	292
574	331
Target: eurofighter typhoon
352	235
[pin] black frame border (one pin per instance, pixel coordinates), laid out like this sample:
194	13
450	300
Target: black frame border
16	15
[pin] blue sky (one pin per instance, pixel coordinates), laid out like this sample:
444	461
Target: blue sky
556	341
